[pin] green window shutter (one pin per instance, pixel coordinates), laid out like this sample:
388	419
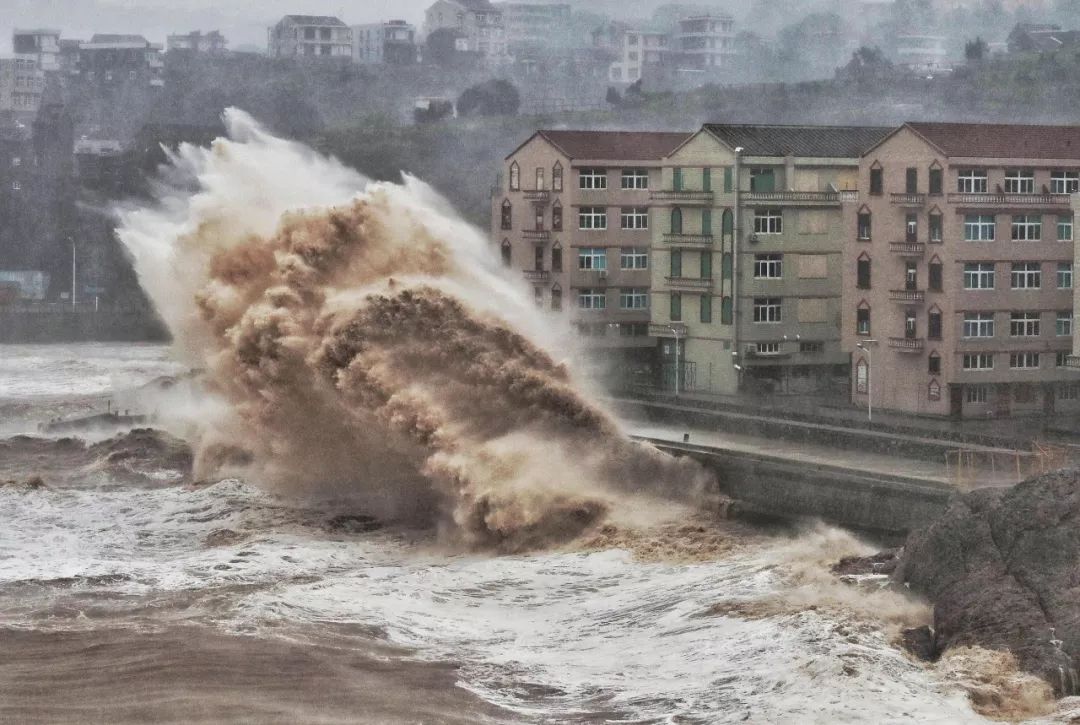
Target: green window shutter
706	179
706	308
728	222
725	311
706	265
676	307
676	221
676	263
727	179
725	267
706	222
676	179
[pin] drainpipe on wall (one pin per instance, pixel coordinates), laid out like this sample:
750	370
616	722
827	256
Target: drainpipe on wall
735	244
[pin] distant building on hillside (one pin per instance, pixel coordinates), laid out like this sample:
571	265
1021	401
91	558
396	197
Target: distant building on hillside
211	43
705	42
922	53
635	50
1041	38
42	45
533	26
22	83
478	23
310	36
110	58
392	42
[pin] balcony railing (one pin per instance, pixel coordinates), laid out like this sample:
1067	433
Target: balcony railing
1072	361
907	344
537	195
688	240
661	330
537	275
685	197
689	283
801	197
908	249
908	199
907	295
1054	200
536	235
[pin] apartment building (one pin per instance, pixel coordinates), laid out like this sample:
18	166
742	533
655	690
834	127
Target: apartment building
40	45
111	58
535	24
392	43
310	36
747	241
705	42
211	43
479	25
571	212
22	84
958	270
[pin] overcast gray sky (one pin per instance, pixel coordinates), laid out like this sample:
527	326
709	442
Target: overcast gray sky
243	21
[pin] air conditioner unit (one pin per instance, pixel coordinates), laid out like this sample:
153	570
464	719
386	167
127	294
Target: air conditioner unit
753	238
751	350
603	274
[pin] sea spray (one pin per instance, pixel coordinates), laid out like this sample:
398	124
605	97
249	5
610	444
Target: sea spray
365	340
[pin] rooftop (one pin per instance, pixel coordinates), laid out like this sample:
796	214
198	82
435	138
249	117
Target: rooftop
113	38
614	145
315	20
1002	141
809	141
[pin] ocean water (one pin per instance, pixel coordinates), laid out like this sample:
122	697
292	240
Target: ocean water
128	600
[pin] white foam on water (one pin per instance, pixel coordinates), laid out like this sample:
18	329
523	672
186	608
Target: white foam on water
28	371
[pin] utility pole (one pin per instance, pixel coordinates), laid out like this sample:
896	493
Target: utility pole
675	331
72	272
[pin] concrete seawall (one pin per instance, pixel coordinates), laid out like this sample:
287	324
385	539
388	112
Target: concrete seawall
66	325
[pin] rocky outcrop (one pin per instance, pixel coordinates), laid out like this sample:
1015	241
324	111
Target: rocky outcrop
1002	567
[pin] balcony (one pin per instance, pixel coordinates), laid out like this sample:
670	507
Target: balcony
801	198
1073	361
689	284
537	195
661	330
682	197
693	241
907	295
1027	200
907	344
908	249
908	199
536	235
537	275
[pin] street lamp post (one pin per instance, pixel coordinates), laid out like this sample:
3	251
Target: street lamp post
675	331
72	272
865	347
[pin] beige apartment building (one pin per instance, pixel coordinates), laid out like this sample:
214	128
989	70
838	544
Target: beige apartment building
571	211
958	270
747	242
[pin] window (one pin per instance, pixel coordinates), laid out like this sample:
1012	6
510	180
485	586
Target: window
768	266
1065	228
592	299
1064	324
911	181
635	217
979	275
538	259
979	324
725	311
935	181
864	226
592	217
933	325
933	364
16	161
635	179
676	307
633	258
634	329
1024	324
862	321
592	258
556	177
911	227
768	348
768	221
933	390
592	179
767	309
540	184
706	265
635	298
935	228
556	298
971	181
976	394
1065	275
811	348
877	181
706	179
762	180
676	220
676	179
705	313
935	276
862	270
16	185
538	212
538	296
1019	181
978	361
515	177
676	264
507	253
556	217
862	377
1024	360
1026	275
507	215
1026	227
1064	182
979	228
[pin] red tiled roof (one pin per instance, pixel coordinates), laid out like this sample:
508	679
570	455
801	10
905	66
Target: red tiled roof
1001	141
613	145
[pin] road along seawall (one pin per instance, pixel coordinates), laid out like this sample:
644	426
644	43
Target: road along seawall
60	325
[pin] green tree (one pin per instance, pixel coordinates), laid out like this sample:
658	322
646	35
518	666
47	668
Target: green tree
490	98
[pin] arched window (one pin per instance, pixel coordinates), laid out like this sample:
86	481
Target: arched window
933	323
556	177
515	177
556	258
556	216
506	254
933	391
727	222
540	185
556	297
862	377
862	271
936	179
862	318
725	311
877	179
725	266
933	364
676	220
507	214
935	274
865	224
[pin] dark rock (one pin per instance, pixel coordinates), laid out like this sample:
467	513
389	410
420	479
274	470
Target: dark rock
353	523
919	641
883	562
223	537
33	483
1002	567
145	449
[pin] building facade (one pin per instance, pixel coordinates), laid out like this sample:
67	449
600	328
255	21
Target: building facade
310	36
747	241
40	45
212	43
532	25
478	24
705	42
22	84
958	270
392	42
108	59
571	215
